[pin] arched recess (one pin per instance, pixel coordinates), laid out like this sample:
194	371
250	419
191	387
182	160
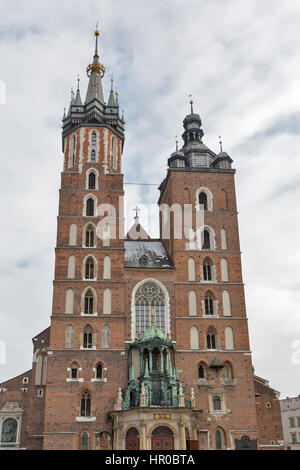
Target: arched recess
191	270
71	267
223	200
162	438
226	303
107	267
132	440
209	199
224	270
69	336
88	179
223	239
205	238
90	210
73	235
84	440
147	295
89	271
107	302
192	303
194	338
186	196
113	154
89	235
69	306
105	337
229	341
220	439
89	307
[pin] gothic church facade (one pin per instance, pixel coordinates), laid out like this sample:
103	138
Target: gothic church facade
148	346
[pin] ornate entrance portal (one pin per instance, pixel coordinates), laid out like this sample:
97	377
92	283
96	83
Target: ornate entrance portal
162	439
132	439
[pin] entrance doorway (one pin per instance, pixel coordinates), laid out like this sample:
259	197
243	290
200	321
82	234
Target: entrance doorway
132	439
162	439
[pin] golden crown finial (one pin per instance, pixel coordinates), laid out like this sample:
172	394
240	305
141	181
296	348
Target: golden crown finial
97	33
153	316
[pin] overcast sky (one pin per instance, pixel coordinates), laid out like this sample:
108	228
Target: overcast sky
241	62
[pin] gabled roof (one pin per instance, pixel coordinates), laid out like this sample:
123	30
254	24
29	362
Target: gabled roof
146	254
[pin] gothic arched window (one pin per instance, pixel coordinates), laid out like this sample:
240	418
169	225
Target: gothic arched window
85	404
218	440
207	271
149	298
94	139
84	441
74	371
205	240
89	269
93	156
99	371
90	236
90	207
203	201
92	181
211	339
209	304
89	303
88	338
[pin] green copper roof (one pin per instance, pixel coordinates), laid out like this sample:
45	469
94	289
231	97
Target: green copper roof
152	332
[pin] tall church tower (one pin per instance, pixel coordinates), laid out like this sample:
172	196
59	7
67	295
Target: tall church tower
209	317
86	352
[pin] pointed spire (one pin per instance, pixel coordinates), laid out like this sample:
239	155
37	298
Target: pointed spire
77	100
111	99
191	103
95	72
220	142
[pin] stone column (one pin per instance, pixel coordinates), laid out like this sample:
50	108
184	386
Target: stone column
117	437
143	444
182	440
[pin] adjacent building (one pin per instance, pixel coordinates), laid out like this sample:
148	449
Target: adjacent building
290	413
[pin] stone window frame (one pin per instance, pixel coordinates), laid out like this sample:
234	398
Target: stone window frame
88	227
88	172
167	305
104	372
213	270
85	199
82	303
14	411
209	198
215	313
69	370
221	395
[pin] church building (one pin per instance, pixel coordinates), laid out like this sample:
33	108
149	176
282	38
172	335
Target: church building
148	346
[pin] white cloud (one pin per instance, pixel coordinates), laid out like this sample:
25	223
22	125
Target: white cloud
241	62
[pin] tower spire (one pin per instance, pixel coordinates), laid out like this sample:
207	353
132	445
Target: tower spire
77	100
111	99
95	72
